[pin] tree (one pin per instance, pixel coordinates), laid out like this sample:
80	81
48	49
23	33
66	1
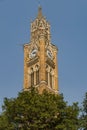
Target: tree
83	118
46	111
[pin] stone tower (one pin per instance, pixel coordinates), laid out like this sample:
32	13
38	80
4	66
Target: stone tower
40	58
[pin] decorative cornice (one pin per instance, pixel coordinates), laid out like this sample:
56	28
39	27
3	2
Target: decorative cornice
50	62
32	61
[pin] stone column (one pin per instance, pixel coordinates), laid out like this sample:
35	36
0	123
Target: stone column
42	58
56	87
25	67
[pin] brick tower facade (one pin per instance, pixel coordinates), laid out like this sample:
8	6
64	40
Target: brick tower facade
40	58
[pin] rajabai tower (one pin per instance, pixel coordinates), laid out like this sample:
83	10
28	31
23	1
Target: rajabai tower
40	57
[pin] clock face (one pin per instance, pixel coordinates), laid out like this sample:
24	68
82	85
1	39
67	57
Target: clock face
33	53
49	54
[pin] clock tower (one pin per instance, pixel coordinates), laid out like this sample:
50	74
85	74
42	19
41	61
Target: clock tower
40	58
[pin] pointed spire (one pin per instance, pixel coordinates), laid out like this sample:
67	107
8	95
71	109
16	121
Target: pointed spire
40	12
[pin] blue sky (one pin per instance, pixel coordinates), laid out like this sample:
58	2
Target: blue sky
68	19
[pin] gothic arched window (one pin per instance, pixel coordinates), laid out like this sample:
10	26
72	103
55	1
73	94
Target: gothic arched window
50	78
37	77
32	77
37	74
47	74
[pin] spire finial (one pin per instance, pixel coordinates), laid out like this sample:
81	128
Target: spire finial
39	12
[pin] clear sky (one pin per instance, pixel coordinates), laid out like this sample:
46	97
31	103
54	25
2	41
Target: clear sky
68	19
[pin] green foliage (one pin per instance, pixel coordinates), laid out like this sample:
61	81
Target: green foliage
33	111
85	104
4	124
83	118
